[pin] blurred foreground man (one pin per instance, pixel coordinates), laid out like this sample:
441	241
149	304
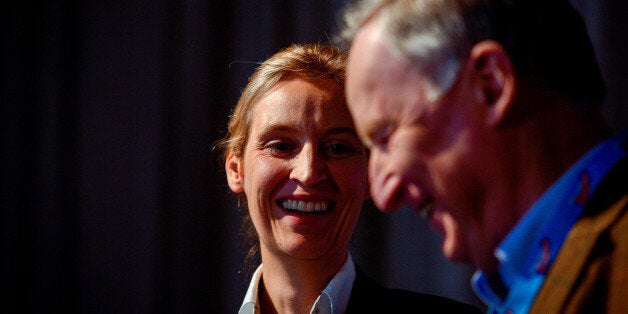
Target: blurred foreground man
485	116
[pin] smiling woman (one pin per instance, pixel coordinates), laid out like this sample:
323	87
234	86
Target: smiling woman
293	157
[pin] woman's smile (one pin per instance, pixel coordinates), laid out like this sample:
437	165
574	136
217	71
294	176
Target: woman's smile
305	207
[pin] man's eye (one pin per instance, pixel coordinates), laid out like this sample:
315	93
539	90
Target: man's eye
380	136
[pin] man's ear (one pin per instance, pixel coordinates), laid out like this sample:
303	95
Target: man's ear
234	169
496	75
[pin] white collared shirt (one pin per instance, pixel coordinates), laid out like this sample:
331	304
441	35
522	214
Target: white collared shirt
333	300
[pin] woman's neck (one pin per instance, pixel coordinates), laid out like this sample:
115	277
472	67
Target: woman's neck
292	286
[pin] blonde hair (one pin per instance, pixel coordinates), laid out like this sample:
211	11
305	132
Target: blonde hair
309	62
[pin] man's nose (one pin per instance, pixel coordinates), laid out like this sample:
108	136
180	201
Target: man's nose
386	189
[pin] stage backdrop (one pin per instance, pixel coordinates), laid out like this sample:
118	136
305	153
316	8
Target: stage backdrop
111	198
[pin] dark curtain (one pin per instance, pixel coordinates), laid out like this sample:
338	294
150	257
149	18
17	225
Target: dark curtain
112	200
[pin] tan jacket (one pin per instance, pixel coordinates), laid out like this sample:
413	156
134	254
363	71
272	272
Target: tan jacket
590	274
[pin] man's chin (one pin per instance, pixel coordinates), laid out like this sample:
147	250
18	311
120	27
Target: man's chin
454	254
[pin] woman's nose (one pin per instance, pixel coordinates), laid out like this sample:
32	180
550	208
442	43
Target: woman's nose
309	166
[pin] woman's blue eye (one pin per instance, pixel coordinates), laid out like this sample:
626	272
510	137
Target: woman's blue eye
339	150
282	146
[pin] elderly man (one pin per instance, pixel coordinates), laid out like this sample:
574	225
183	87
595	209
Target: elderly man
485	116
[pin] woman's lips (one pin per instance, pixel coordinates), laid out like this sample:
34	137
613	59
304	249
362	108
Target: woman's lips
311	207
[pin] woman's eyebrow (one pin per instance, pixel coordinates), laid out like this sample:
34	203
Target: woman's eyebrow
342	130
277	127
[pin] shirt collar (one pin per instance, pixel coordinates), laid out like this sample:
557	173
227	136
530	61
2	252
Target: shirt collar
249	305
528	251
333	299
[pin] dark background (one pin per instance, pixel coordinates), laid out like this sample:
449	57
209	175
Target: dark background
111	198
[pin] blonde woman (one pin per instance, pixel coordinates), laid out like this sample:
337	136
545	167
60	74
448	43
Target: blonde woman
294	158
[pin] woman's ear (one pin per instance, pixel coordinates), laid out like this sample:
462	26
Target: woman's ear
496	76
234	169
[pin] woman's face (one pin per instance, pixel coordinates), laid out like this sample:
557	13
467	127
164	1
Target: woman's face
304	171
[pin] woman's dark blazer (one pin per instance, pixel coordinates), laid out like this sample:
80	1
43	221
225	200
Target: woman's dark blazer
369	296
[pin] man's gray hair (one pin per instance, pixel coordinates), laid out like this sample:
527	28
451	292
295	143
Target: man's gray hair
431	35
436	36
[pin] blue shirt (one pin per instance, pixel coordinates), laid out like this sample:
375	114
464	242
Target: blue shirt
528	251
333	300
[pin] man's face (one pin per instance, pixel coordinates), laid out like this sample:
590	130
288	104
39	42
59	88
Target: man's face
419	147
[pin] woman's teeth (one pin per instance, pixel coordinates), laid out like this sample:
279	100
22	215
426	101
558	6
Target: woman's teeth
302	206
